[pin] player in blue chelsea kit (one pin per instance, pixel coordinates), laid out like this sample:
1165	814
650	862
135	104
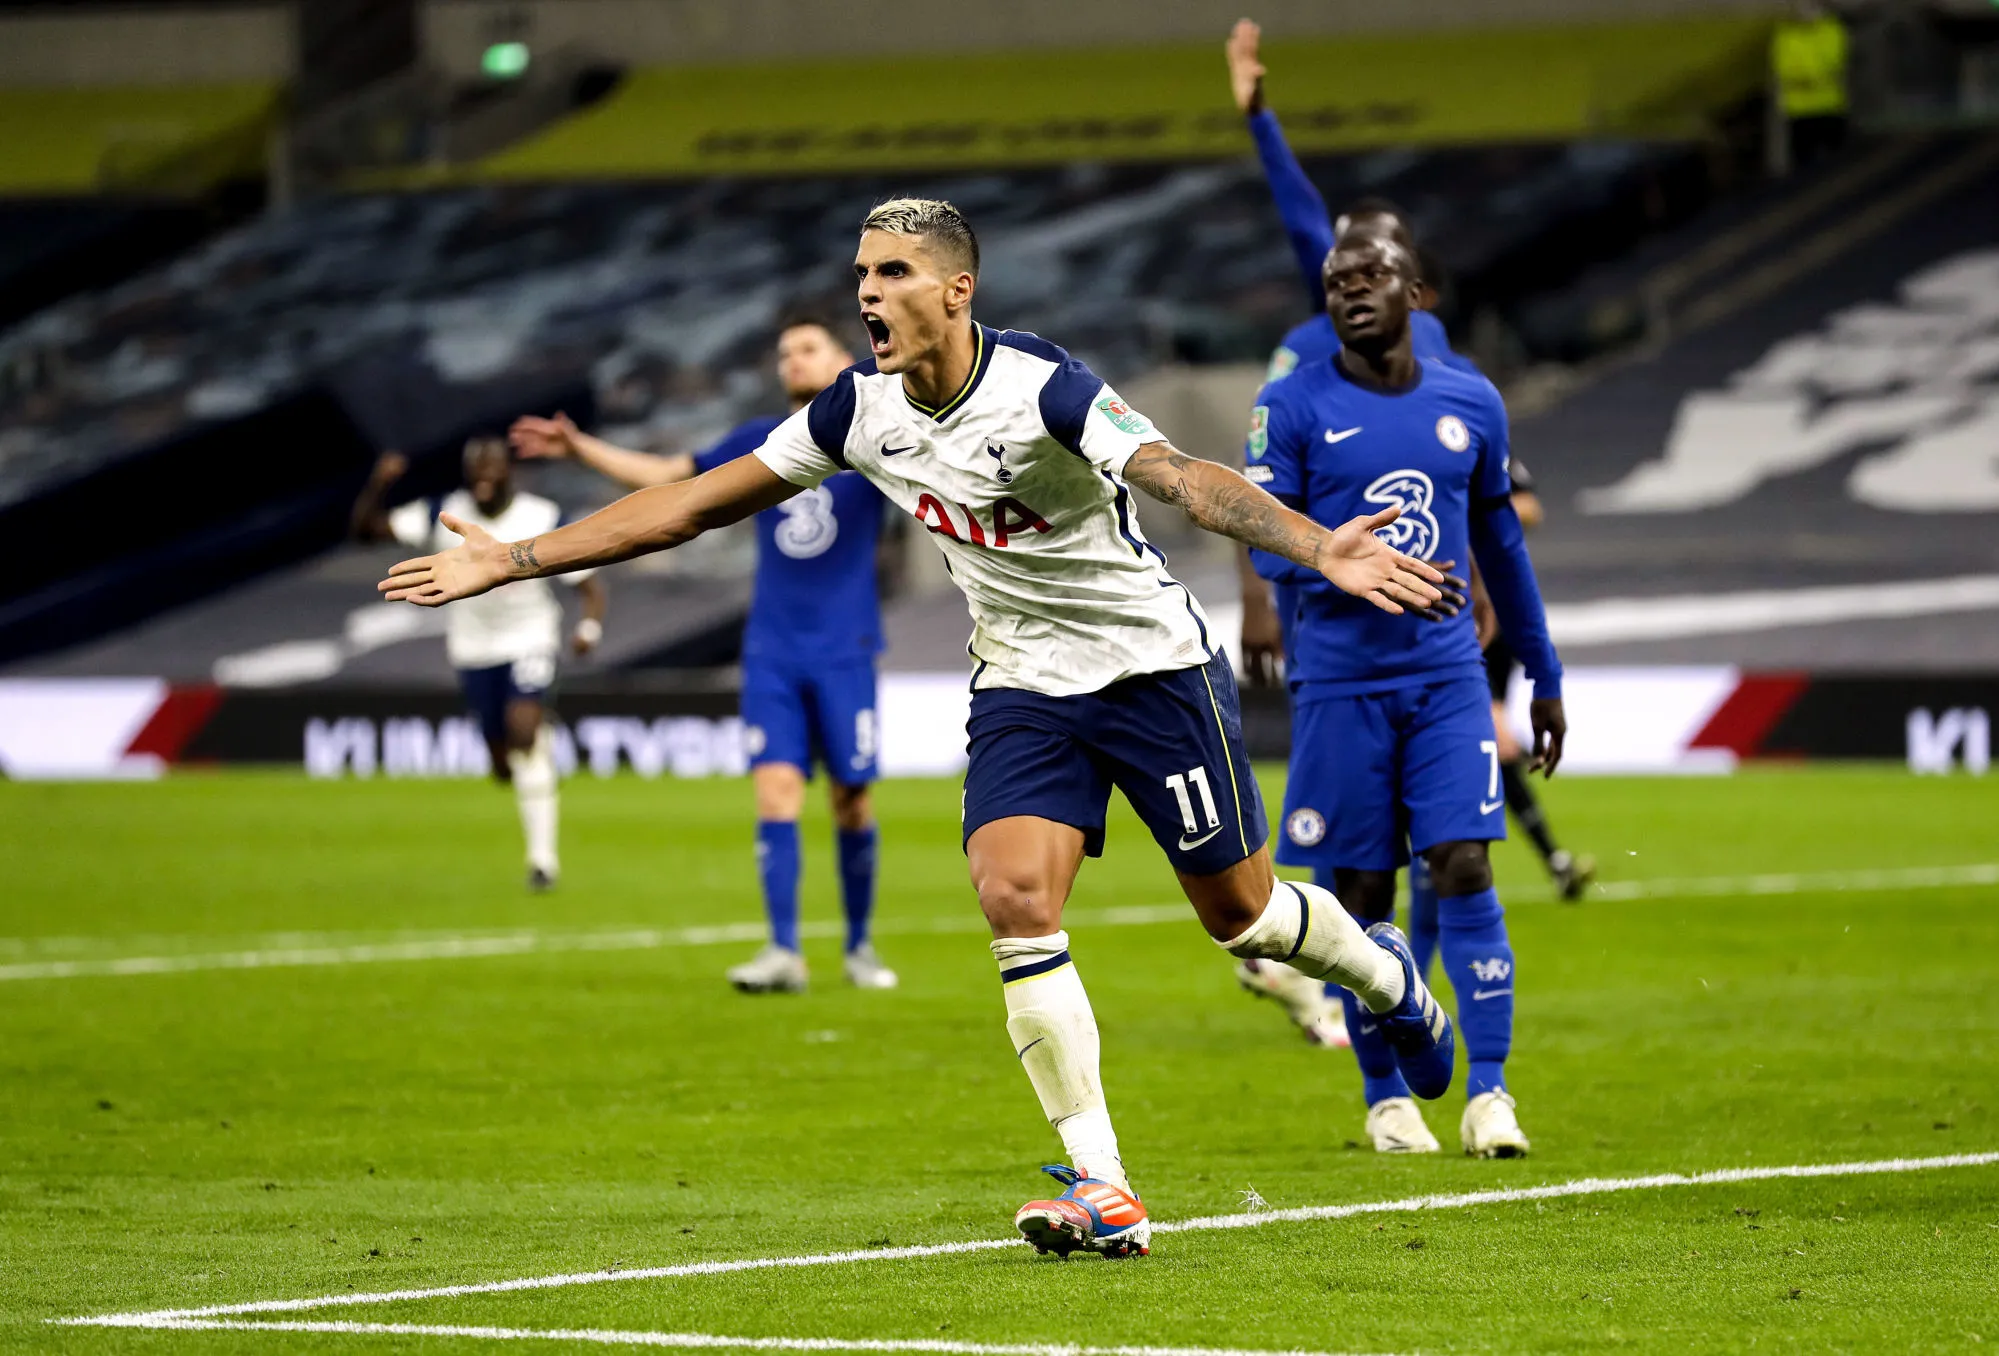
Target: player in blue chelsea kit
1269	610
808	656
1393	745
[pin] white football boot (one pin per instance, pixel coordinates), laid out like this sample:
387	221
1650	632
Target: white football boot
866	971
1318	1018
1490	1129
1396	1127
771	970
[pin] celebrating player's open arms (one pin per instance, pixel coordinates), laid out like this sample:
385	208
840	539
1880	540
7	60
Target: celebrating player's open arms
1351	556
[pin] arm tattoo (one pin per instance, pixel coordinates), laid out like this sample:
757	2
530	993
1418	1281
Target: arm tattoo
521	553
1221	501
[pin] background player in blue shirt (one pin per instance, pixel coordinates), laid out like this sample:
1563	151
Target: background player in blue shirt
808	656
1393	743
1312	232
1269	610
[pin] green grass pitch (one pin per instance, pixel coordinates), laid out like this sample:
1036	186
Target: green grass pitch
223	1136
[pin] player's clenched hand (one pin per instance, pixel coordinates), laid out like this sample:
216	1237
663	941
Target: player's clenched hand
1551	726
1245	71
1360	563
472	567
535	437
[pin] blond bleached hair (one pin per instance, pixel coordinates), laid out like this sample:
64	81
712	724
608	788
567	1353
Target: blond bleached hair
932	220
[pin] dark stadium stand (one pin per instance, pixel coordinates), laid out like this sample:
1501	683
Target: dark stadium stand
1826	417
420	318
51	249
1646	289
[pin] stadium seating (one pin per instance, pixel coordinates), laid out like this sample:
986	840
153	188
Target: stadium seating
426	316
1821	416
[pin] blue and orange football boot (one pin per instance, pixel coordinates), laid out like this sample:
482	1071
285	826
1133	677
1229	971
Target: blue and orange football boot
1091	1216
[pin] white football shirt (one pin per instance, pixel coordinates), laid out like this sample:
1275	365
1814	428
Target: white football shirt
1018	479
515	621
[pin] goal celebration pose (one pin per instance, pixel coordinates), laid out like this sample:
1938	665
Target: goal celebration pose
1094	665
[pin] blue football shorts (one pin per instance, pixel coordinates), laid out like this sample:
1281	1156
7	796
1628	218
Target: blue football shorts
802	713
1378	774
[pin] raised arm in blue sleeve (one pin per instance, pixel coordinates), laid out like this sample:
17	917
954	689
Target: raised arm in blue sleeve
1306	221
1500	545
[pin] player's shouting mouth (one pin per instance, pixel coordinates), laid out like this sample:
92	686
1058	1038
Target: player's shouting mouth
878	335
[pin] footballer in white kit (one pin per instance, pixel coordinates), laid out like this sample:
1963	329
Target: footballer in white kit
506	644
1094	666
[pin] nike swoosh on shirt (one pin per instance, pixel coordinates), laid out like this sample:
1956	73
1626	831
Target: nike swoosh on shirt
1488	993
1341	436
888	451
1486	807
1186	846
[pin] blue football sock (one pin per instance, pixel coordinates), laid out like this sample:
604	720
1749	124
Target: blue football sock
1422	916
777	863
1380	1079
857	881
1479	960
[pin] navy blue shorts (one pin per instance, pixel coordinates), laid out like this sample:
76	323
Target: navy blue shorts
1376	774
1172	742
798	713
488	691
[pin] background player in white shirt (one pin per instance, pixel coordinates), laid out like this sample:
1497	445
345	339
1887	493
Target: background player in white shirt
1094	665
504	645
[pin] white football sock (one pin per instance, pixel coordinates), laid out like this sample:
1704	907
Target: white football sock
1307	929
1055	1036
534	792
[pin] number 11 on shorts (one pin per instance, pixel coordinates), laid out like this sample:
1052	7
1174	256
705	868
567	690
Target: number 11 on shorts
1178	784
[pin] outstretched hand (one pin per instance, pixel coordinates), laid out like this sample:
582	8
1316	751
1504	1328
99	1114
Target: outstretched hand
1360	563
1245	71
534	437
474	566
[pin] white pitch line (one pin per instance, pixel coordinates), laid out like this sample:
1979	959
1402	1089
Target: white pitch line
1585	1186
612	1337
1803	882
529	941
